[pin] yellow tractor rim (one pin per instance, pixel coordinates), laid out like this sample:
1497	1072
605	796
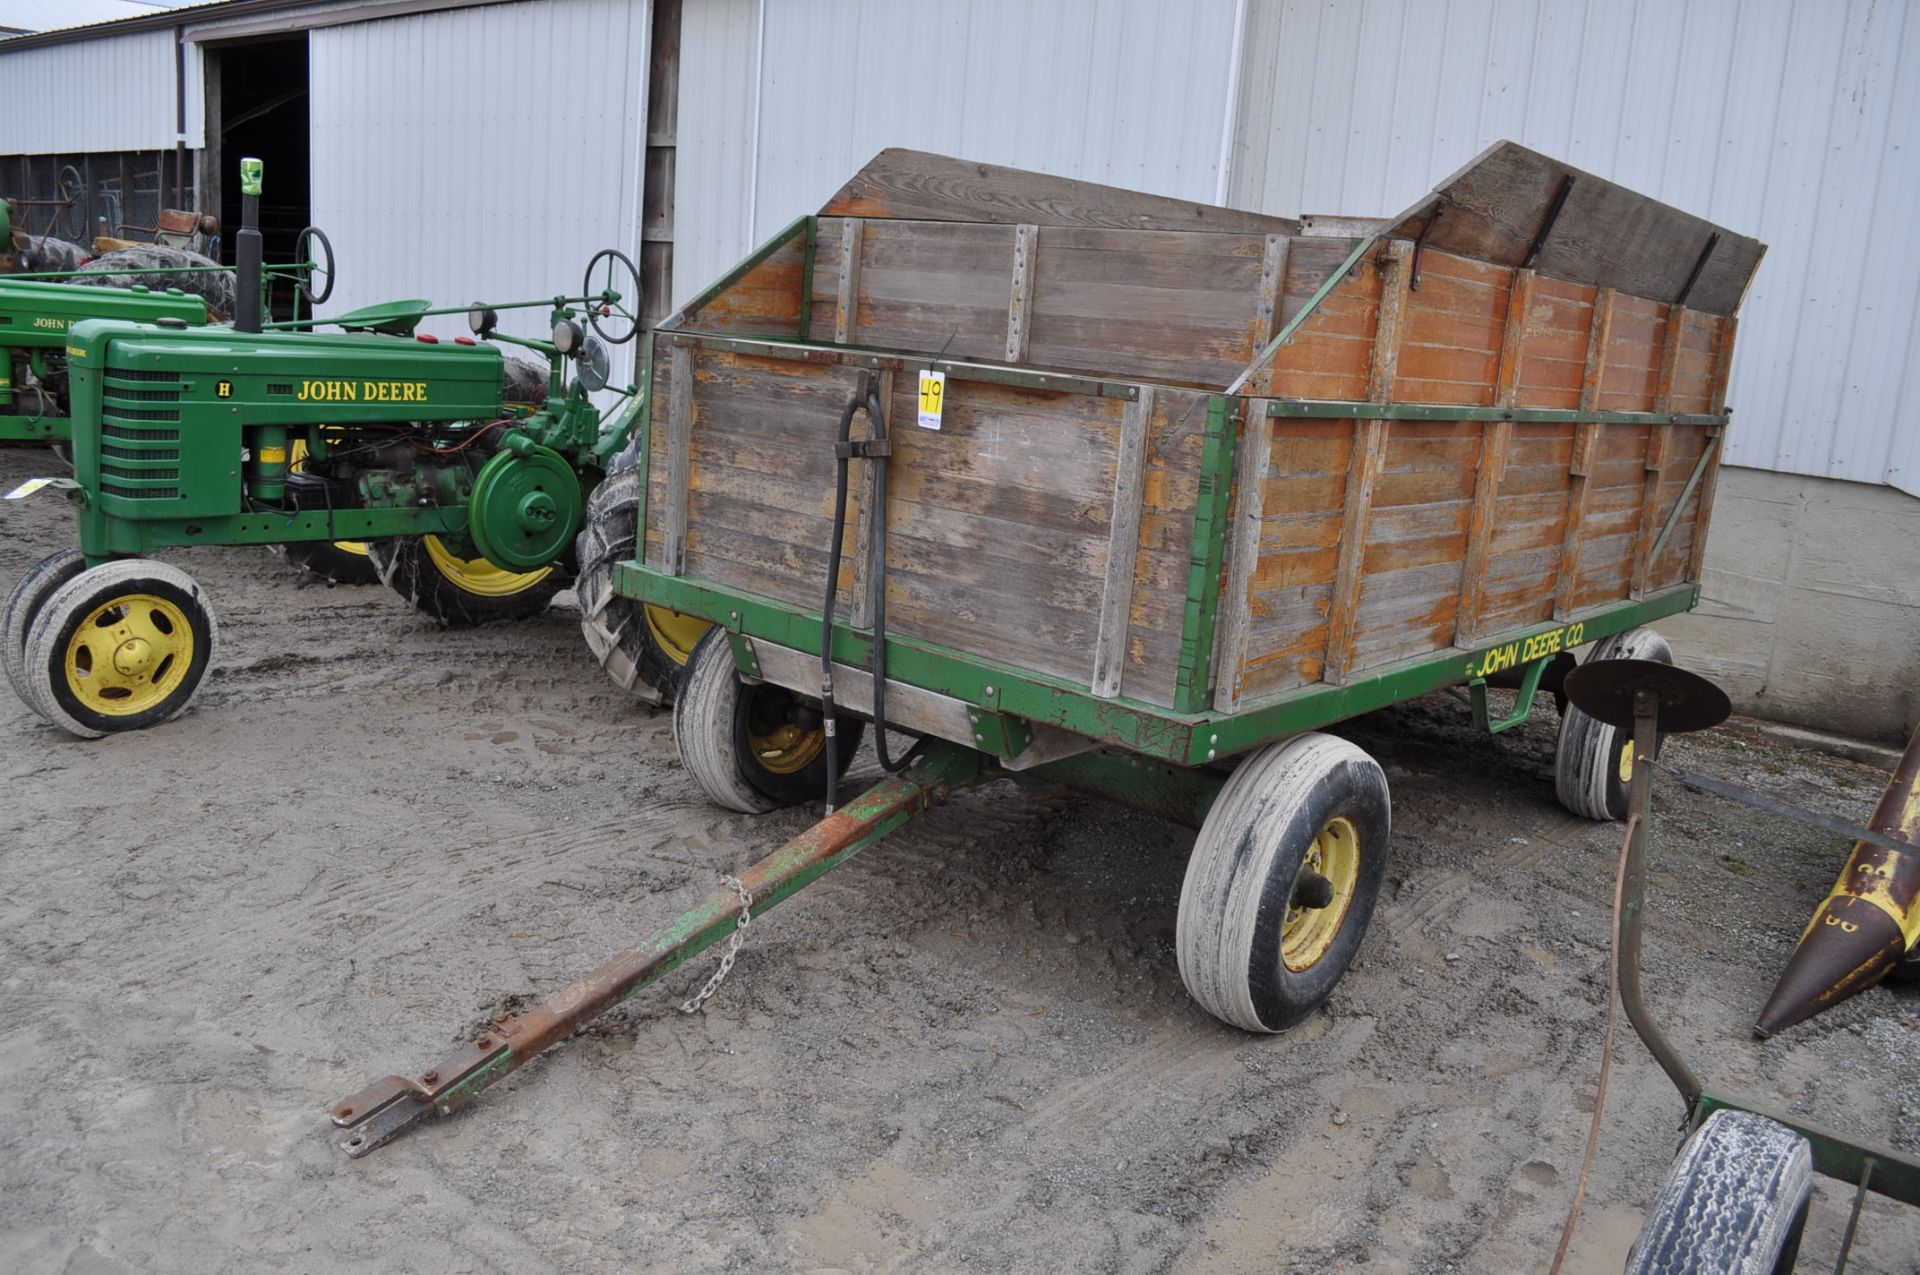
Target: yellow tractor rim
781	745
1626	762
354	547
674	633
477	575
1307	933
129	655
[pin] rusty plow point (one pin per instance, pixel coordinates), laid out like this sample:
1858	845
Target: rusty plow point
1872	917
387	1107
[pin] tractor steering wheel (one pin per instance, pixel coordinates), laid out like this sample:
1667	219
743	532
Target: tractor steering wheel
613	301
306	265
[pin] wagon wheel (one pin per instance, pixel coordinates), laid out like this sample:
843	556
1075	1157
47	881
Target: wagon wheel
459	591
641	646
1592	762
751	748
119	647
1283	880
1735	1201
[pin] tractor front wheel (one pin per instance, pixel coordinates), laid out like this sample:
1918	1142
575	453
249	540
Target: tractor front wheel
458	591
119	647
24	601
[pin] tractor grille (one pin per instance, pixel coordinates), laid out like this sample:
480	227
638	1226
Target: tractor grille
139	437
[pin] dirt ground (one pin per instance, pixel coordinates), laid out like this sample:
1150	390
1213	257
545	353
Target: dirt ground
967	1050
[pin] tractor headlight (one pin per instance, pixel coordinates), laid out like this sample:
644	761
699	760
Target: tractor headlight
566	336
483	320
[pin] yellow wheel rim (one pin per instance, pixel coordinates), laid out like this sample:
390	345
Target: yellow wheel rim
477	575
781	745
1307	933
674	633
298	463
129	655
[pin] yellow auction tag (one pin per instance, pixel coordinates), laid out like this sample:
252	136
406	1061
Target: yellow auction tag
933	397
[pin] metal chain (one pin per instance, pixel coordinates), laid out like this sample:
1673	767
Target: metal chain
734	941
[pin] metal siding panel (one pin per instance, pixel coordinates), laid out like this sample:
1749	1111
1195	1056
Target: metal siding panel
429	187
1796	122
714	174
127	103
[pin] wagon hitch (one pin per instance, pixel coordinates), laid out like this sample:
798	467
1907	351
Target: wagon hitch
389	1106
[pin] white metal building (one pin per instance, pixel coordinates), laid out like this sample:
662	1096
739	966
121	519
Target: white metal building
465	144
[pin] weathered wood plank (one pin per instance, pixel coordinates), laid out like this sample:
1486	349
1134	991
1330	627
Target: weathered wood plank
1273	273
1658	439
1493	462
1123	542
1026	243
1243	559
1586	439
846	310
914	184
679	460
1390	326
1717	403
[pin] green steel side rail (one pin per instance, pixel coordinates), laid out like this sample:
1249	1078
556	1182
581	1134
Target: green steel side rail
1184	739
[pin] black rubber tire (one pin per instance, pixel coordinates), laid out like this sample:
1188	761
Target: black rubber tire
1586	760
330	562
1734	1202
215	287
69	606
1240	880
29	593
710	714
615	626
405	566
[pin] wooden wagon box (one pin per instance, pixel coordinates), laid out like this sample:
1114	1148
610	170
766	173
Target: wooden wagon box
1201	477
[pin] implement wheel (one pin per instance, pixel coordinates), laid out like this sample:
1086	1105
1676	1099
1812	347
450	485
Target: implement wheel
1282	882
642	647
24	601
1734	1203
457	591
119	647
1593	762
751	748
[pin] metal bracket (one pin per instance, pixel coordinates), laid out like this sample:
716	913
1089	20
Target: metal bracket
1476	699
863	449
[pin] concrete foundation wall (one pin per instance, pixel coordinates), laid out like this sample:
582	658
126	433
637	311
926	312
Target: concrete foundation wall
1811	609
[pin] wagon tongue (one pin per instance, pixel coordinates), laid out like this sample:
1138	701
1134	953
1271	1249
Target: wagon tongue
384	1109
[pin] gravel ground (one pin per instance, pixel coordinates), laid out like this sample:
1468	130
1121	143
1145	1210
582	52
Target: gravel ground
968	1050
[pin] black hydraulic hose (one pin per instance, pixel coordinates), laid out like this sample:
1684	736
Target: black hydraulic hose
877	548
842	456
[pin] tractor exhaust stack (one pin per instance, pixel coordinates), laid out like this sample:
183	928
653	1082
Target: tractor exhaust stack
1862	929
246	250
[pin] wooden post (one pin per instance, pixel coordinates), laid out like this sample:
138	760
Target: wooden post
1586	440
1026	244
673	537
1659	441
1273	274
1243	556
1493	463
860	608
1363	470
846	309
1716	403
1123	546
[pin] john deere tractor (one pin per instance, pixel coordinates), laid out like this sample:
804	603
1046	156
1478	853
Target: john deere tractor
468	502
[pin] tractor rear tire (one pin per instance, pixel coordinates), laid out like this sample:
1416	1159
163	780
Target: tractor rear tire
1283	880
120	647
44	254
29	593
1591	762
461	592
751	748
1734	1202
171	268
642	647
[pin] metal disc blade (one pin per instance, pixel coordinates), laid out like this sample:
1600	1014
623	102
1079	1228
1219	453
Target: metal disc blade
1604	690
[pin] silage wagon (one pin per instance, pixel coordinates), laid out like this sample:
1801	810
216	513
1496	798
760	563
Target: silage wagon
1136	495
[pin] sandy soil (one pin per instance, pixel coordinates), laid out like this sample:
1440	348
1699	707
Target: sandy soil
968	1050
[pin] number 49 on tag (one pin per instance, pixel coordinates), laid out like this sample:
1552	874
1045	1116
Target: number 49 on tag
933	397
